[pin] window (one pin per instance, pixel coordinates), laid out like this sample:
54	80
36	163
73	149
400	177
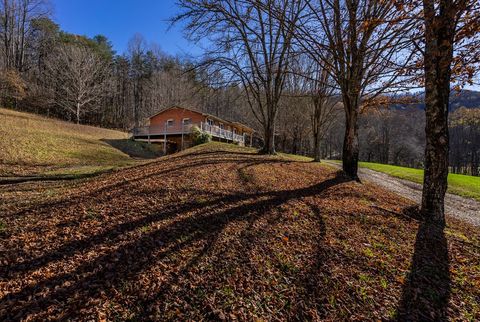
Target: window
170	122
221	126
187	121
209	122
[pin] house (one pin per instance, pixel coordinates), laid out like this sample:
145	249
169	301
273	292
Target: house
173	127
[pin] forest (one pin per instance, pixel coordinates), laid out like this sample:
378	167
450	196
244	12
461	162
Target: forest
73	77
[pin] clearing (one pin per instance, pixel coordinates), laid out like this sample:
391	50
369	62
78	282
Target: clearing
33	145
219	232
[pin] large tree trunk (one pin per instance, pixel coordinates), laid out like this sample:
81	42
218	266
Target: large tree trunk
436	152
269	138
439	38
351	150
316	147
350	141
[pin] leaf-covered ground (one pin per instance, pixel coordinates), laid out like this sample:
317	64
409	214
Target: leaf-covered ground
220	233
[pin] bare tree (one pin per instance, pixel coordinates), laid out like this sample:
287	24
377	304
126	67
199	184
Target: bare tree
464	131
360	43
324	106
77	74
139	72
451	39
311	85
252	45
15	18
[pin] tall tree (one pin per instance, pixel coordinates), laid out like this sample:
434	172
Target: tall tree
451	39
77	74
15	18
311	84
252	44
139	72
324	106
358	41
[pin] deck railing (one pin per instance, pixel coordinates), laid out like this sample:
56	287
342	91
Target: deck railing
162	130
221	133
159	130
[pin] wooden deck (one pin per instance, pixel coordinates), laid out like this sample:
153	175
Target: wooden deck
155	132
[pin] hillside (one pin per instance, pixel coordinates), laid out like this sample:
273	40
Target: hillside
218	232
33	145
465	98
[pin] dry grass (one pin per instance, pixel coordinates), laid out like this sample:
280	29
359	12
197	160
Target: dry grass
32	144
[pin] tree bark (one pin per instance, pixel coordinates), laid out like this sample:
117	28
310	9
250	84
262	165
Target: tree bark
317	148
439	36
269	137
350	142
351	149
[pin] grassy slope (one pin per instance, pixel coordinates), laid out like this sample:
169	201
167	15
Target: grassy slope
217	232
467	186
32	144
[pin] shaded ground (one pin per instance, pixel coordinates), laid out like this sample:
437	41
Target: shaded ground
219	233
465	209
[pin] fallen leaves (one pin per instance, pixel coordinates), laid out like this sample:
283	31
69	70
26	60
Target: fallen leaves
216	233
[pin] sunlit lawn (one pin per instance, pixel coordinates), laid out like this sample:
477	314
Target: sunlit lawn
459	184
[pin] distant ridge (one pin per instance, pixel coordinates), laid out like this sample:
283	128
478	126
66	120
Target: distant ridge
465	98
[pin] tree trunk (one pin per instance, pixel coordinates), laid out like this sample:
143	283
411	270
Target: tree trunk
439	31
316	147
269	138
350	145
436	153
78	113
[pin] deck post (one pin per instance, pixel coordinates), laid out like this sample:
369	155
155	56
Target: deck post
183	129
149	136
251	139
165	140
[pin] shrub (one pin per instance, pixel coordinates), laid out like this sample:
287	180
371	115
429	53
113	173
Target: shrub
200	137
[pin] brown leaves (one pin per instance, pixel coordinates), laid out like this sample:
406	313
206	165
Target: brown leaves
188	238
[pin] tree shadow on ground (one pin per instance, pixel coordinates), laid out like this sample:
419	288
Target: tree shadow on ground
426	293
121	182
109	271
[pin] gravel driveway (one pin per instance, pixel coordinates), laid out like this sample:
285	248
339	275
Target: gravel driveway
465	209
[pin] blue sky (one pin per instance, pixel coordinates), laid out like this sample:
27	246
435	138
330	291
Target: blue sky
119	20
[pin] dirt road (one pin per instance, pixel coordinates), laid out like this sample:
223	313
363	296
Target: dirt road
465	209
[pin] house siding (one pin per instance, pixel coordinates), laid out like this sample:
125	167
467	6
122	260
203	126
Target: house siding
177	114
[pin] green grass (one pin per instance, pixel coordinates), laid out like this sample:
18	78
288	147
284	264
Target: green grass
459	184
295	157
35	145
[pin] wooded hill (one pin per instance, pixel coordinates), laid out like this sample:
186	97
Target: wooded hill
464	98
